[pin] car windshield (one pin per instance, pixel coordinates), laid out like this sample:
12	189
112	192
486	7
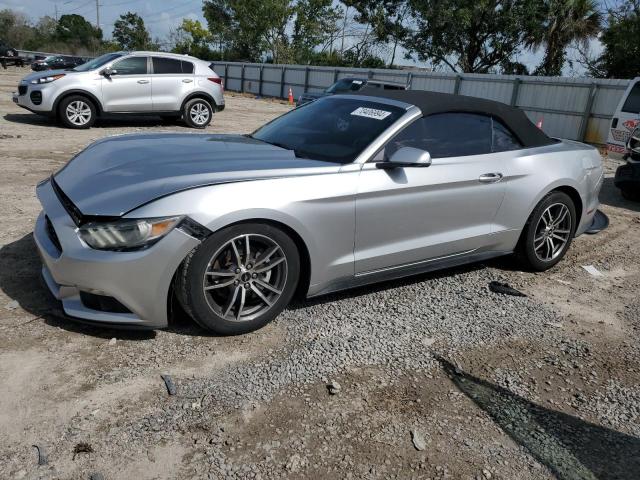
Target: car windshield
49	59
346	85
332	129
97	62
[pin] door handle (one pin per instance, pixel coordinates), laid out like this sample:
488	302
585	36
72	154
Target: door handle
143	81
186	80
490	177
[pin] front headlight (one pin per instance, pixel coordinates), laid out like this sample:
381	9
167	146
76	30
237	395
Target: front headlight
127	234
49	79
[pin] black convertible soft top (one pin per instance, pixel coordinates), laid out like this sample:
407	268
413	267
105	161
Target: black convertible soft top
434	102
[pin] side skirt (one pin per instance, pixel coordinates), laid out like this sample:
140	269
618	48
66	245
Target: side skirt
393	273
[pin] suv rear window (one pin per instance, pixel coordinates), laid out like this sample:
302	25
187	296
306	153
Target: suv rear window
632	103
168	66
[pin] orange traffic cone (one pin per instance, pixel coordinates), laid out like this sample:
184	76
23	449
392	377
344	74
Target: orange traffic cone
290	96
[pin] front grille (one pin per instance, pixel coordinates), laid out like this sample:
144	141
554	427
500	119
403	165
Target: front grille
72	210
102	303
51	232
22	89
36	97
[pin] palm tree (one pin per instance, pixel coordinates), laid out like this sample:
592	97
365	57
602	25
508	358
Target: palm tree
564	22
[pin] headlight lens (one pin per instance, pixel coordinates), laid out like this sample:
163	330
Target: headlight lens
49	79
127	234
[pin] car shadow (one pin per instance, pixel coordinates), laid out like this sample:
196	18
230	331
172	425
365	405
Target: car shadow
20	280
610	195
572	448
111	121
300	302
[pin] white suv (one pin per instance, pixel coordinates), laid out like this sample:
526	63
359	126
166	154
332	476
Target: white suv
164	84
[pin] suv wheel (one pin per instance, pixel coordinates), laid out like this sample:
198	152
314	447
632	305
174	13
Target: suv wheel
77	111
197	113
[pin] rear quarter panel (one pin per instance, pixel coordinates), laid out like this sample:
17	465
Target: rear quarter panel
532	173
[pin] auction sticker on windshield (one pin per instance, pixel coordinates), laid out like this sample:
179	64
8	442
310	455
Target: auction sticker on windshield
371	113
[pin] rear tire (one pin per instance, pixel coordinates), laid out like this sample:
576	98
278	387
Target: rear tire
77	111
197	113
229	291
548	232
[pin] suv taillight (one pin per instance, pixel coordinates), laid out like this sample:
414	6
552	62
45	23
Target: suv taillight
217	80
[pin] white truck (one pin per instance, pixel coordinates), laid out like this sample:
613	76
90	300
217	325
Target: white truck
625	120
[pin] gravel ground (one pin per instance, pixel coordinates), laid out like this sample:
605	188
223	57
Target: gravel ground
432	376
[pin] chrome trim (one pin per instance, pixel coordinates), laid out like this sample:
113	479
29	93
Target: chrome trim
414	264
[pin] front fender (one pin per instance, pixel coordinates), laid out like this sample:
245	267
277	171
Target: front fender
320	209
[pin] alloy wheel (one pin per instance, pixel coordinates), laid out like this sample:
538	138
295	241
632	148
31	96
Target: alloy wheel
199	113
245	277
78	112
553	232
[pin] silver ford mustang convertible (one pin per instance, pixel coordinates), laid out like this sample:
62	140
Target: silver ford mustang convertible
343	191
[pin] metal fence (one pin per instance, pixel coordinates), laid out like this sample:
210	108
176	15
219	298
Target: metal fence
574	108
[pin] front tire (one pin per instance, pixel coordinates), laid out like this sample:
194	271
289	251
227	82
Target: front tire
548	232
197	113
77	111
239	279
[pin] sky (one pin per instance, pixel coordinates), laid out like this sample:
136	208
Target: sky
161	17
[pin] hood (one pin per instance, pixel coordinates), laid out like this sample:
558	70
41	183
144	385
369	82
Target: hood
117	174
45	73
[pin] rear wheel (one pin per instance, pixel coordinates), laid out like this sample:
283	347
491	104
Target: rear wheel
240	278
548	232
77	111
197	113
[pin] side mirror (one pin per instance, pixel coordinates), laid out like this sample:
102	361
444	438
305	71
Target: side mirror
107	72
406	157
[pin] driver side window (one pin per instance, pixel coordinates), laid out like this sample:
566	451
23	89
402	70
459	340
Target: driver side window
443	135
131	66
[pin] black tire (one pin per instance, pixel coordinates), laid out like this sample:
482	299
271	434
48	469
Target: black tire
191	280
526	251
81	101
188	112
631	194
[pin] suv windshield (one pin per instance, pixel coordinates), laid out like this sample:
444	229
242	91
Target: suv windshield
346	85
332	129
96	62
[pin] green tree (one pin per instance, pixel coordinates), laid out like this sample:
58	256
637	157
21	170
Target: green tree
75	31
131	34
193	39
219	16
621	55
565	22
15	30
477	36
388	19
315	26
253	27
